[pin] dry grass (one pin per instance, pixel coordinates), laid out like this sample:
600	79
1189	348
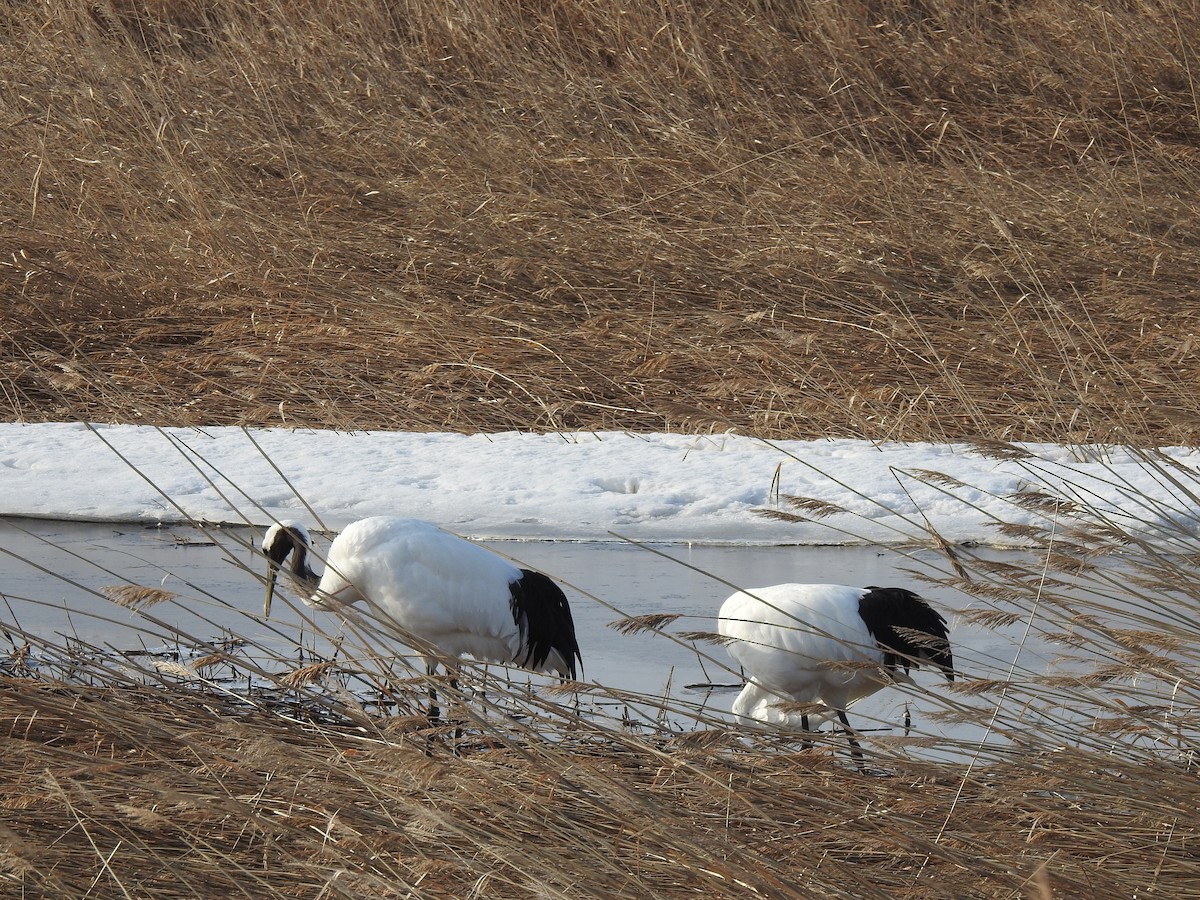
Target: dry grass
865	219
146	793
884	220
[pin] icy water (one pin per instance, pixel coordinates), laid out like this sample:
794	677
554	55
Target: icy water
53	576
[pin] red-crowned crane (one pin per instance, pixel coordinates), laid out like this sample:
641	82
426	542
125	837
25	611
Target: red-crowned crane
827	644
454	596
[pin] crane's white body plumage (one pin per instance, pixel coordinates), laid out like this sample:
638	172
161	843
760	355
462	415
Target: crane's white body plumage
801	643
400	565
825	644
454	597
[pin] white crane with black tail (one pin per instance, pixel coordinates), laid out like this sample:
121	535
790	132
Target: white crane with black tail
827	644
453	596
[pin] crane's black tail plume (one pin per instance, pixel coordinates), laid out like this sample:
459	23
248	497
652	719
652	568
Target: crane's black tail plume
907	629
543	616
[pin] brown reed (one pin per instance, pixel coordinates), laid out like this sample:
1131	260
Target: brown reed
791	220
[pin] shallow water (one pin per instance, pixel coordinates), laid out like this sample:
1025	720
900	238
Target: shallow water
52	575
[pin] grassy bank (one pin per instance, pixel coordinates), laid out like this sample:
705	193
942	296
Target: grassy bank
792	220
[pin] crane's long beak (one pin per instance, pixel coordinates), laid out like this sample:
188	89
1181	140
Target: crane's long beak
272	574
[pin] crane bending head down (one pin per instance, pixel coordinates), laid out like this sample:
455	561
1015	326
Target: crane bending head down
449	593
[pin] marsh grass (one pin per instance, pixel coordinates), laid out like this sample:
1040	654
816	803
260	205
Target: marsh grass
893	221
792	220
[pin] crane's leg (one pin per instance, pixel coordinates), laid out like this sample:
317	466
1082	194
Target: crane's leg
458	731
855	749
481	691
806	744
435	714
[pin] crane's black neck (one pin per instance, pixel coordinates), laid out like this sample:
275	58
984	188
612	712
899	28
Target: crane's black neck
300	567
291	542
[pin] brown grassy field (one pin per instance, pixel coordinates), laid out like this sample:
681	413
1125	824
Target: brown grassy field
876	219
926	221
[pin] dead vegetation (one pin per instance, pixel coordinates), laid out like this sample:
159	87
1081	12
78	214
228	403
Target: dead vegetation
870	219
884	220
152	794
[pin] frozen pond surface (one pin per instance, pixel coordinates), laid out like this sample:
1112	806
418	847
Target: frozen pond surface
52	575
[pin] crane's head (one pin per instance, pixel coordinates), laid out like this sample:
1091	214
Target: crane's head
281	540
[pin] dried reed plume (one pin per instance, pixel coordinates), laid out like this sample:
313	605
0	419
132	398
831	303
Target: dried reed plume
651	622
133	596
308	674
